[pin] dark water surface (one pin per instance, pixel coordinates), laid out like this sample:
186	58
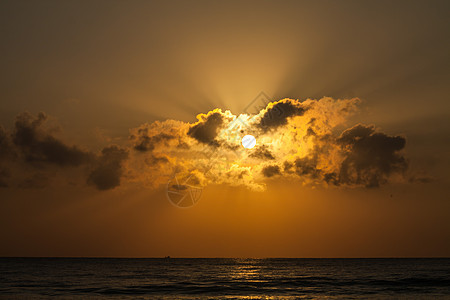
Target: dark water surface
68	278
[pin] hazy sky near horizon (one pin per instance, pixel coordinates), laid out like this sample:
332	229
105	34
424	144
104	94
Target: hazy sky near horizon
87	176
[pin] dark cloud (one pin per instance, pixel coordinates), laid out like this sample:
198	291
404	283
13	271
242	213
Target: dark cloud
262	152
144	142
331	178
205	131
37	145
108	171
270	171
310	132
306	166
278	114
370	156
5	151
6	147
287	167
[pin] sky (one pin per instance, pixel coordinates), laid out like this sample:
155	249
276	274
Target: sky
114	115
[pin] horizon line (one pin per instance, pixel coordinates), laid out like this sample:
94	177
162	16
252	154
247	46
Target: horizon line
179	257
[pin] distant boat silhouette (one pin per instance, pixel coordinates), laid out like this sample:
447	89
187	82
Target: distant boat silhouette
167	256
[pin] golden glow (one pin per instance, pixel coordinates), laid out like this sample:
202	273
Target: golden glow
146	70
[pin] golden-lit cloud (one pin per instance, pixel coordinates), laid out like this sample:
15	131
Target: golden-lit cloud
300	141
296	140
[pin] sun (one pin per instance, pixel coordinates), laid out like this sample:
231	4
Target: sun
248	141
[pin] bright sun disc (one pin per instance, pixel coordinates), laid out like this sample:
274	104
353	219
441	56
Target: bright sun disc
248	141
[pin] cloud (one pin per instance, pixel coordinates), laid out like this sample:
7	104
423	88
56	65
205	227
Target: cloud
6	149
300	138
147	143
7	154
370	156
306	166
207	127
33	152
276	114
305	141
37	145
108	170
146	139
271	171
262	152
166	134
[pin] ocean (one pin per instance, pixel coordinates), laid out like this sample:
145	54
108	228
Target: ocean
224	278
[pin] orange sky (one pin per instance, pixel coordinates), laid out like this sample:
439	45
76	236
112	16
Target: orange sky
102	71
